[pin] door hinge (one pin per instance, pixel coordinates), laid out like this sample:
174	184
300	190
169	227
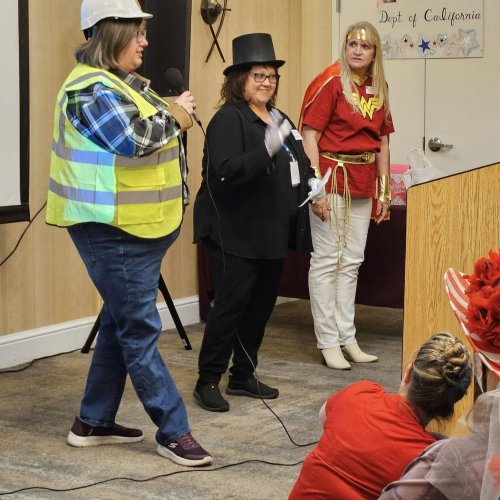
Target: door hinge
338	6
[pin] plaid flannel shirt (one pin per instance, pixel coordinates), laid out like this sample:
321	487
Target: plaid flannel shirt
112	121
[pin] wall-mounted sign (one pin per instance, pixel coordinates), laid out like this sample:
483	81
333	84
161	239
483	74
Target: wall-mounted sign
411	29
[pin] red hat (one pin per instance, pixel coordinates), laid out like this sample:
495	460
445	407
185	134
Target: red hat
475	299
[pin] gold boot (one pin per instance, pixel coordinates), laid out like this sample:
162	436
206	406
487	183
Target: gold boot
334	358
353	353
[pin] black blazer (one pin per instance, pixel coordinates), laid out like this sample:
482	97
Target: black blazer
246	202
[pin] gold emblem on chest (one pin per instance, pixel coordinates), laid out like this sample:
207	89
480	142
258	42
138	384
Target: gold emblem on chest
366	107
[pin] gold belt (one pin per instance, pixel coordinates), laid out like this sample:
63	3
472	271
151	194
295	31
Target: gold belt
361	158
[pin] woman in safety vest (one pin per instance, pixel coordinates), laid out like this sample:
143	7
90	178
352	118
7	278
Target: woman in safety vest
117	181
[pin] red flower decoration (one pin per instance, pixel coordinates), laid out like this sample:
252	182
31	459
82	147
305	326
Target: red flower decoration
486	272
483	312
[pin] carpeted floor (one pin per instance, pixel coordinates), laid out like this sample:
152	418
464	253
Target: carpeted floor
253	456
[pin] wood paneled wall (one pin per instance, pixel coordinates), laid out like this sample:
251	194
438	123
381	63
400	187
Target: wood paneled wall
45	282
451	222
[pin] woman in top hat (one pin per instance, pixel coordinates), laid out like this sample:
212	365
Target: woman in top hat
467	468
346	123
116	184
255	174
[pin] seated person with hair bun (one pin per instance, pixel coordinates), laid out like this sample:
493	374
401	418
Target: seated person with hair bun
370	436
468	467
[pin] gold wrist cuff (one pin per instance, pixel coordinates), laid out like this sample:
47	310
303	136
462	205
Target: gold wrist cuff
384	188
317	172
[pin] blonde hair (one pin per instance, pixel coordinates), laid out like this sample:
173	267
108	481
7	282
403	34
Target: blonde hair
376	69
441	375
106	40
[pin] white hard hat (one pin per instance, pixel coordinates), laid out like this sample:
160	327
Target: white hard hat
93	11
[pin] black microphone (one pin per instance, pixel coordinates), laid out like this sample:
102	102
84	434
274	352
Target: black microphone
175	82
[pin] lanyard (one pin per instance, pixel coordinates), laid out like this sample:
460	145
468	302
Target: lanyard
287	149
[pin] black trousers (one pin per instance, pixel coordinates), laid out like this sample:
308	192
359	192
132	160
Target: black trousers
245	295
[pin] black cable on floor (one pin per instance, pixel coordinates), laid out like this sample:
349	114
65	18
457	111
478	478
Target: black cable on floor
32	362
152	478
263	400
60	490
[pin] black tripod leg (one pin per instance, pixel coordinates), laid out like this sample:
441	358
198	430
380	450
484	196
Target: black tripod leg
90	339
170	304
171	307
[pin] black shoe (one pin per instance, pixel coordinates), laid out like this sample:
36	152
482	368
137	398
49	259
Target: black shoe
209	397
251	388
82	434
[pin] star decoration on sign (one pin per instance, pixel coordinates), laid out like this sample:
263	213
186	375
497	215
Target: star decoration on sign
460	43
424	45
386	47
468	41
443	39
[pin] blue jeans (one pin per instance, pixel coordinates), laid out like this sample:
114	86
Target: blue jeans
125	270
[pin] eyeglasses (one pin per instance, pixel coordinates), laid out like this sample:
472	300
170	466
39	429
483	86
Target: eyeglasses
261	77
140	35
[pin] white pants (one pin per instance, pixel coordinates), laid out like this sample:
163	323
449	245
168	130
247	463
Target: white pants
333	274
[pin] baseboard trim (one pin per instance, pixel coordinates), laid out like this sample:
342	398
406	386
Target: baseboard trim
23	347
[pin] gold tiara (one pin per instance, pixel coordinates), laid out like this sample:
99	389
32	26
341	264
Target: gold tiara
357	34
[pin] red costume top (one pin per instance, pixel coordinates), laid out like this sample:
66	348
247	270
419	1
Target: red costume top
369	437
345	130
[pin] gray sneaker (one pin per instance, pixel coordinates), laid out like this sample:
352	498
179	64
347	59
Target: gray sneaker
185	450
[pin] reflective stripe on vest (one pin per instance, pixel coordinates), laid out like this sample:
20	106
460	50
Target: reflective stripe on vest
123	197
142	196
96	157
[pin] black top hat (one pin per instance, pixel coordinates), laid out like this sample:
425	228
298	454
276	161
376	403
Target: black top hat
252	49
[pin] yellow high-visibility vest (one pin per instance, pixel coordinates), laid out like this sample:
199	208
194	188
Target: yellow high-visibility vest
142	196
